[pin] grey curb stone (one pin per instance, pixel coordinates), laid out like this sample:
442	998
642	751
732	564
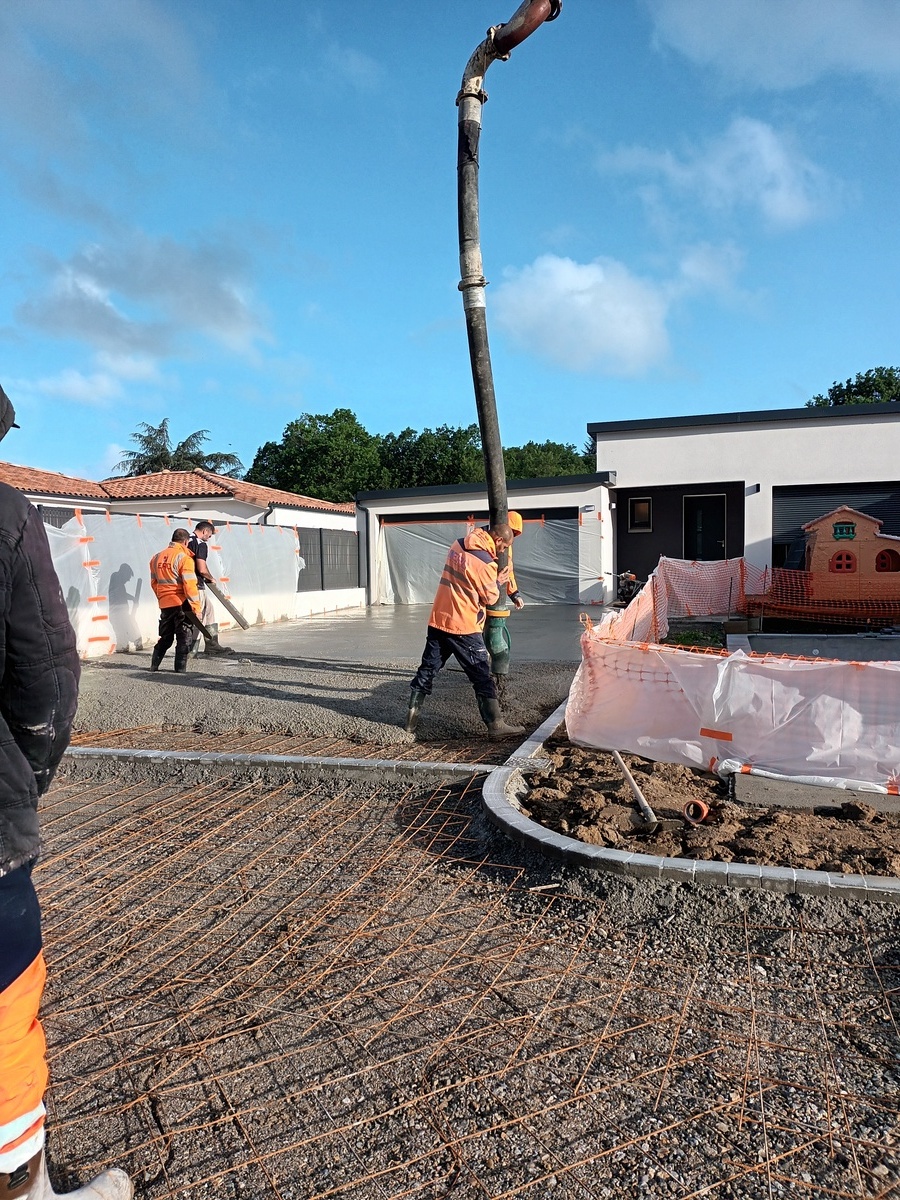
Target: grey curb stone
499	798
779	879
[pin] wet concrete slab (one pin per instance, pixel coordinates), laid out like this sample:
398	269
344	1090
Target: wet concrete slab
396	634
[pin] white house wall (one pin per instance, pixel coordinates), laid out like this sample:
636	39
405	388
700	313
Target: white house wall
595	537
309	519
777	454
103	567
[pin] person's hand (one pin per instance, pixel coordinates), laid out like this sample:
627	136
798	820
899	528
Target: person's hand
518	602
503	577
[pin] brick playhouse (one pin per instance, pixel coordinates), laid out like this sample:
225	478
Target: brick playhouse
851	574
847	558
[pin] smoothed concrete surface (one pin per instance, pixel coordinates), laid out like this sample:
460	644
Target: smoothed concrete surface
396	633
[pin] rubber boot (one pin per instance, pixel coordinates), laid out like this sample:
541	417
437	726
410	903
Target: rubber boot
416	700
491	715
181	657
30	1182
213	646
156	658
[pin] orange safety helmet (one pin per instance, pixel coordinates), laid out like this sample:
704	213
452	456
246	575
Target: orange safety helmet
514	521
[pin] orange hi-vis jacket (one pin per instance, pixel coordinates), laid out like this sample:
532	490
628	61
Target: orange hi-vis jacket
173	579
512	588
468	585
23	1067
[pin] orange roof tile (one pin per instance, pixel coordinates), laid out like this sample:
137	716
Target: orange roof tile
50	483
177	484
163	484
160	485
255	493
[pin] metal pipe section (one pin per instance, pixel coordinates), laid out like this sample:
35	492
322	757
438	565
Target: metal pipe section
501	40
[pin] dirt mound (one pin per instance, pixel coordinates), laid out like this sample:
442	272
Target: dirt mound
584	795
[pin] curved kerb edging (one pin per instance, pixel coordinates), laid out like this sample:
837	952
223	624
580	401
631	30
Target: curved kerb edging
500	801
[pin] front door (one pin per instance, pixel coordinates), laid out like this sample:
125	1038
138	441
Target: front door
704	527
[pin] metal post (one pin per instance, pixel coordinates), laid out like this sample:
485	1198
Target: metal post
501	40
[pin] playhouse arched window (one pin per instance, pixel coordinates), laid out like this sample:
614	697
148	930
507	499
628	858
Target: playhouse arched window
887	560
843	563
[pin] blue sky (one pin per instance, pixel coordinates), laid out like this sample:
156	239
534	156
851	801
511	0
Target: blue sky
230	213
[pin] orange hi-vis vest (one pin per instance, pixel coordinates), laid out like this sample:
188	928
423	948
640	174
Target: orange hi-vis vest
468	585
173	579
23	1067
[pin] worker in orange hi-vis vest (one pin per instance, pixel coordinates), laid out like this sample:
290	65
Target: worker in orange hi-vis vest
39	672
174	582
469	585
514	520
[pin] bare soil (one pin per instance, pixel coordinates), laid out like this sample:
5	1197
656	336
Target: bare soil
583	794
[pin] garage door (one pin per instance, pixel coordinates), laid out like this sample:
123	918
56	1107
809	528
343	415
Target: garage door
793	507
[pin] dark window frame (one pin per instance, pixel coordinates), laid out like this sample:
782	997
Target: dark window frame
635	526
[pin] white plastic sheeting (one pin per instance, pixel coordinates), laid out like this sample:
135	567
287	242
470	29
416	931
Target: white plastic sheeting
813	720
103	566
545	560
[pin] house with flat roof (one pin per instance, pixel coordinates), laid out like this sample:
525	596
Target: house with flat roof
722	485
558	557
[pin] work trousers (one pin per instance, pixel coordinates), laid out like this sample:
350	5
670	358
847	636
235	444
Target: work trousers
175	626
23	1066
469	651
207	616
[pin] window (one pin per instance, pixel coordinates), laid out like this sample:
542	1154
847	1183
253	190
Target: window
887	560
640	514
842	563
844	530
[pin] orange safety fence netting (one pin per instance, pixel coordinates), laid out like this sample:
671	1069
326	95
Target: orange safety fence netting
816	720
852	599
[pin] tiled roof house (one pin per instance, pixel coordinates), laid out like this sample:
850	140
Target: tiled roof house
194	494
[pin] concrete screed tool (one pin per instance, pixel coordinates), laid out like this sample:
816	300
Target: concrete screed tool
211	639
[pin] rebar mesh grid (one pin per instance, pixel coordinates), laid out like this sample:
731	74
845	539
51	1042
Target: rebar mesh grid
333	991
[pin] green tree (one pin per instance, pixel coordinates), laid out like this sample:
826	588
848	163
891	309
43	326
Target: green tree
538	460
433	457
878	386
331	457
155	452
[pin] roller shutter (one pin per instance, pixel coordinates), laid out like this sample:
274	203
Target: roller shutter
793	507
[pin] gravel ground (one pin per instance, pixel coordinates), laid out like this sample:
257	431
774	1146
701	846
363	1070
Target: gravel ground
306	985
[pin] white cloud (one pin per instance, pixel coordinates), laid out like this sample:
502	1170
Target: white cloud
134	368
59	63
173	290
783	43
751	165
585	316
600	316
96	390
709	269
362	72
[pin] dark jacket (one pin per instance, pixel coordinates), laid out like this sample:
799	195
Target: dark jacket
39	670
